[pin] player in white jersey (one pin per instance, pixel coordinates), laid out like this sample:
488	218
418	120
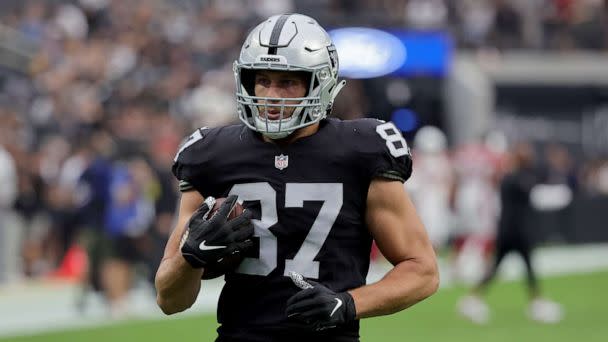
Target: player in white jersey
431	183
477	206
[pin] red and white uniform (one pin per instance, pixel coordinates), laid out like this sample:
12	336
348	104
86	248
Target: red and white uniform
476	199
429	188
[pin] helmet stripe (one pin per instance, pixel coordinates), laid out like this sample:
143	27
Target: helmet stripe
276	33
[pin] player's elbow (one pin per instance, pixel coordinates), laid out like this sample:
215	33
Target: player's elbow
170	307
433	283
172	303
431	275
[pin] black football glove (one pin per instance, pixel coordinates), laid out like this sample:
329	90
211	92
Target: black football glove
208	240
319	307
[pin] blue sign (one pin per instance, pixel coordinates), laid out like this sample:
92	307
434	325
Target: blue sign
405	119
367	53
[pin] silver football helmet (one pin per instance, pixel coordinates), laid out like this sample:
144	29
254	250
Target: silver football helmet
287	42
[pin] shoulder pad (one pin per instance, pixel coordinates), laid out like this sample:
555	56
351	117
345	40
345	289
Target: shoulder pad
384	139
201	151
190	154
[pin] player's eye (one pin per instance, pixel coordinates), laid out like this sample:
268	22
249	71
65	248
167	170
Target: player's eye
286	83
263	81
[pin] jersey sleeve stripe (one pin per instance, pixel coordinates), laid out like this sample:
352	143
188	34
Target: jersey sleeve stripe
392	175
185	186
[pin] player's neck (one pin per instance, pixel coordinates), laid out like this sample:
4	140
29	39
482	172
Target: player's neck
298	134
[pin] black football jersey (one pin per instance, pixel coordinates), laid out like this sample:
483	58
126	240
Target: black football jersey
308	200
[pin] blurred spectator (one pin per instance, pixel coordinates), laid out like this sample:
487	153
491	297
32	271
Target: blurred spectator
589	24
476	203
33	24
602	178
426	14
595	177
557	188
431	183
92	199
507	25
477	19
133	189
559	168
513	235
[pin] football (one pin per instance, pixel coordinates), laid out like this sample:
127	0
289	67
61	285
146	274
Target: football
229	263
236	211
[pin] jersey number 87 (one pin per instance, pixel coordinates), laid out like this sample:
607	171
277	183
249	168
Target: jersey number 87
331	194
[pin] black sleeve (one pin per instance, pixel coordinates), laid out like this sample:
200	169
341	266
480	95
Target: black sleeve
189	165
390	155
185	186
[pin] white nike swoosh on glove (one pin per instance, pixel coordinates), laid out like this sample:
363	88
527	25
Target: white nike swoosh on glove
204	247
338	305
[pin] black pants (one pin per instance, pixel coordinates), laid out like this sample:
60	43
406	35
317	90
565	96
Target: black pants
513	243
276	334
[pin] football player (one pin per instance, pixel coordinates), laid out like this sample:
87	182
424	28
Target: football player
513	235
316	190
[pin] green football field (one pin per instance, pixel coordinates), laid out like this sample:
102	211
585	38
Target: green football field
584	298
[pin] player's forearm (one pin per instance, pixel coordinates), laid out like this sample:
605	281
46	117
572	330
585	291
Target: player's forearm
177	284
408	283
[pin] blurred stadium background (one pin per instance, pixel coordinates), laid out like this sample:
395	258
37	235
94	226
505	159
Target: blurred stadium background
95	96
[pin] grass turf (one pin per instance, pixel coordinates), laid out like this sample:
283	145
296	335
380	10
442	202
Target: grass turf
583	297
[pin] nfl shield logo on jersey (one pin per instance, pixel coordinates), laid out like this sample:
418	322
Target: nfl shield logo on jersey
281	161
